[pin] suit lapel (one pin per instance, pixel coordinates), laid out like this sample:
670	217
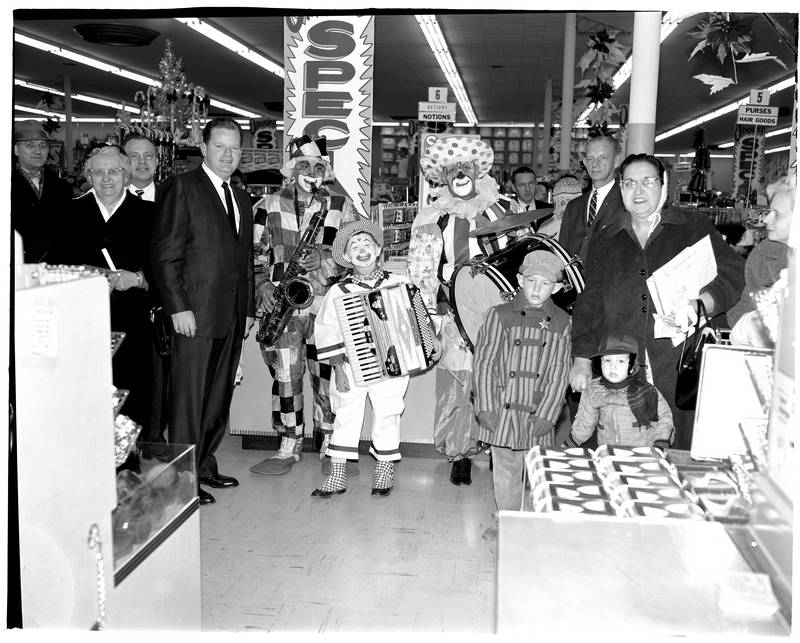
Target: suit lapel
213	196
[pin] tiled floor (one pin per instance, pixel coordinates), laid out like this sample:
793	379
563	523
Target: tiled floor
274	559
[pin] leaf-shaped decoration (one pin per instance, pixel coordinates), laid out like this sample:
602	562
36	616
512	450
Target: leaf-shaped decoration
717	83
585	83
587	60
723	35
764	55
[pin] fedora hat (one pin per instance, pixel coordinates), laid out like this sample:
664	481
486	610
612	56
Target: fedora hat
29	131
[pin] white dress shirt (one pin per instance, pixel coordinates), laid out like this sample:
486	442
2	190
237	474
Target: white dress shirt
217	181
148	192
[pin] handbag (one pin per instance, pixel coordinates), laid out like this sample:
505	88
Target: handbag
691	360
162	330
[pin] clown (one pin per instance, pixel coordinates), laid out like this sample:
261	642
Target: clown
565	190
280	220
466	199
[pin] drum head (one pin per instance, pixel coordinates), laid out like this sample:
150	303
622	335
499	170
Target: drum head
472	295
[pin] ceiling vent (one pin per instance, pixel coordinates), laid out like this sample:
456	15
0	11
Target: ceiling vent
101	33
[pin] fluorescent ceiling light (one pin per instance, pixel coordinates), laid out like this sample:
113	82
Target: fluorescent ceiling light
669	21
776	132
118	71
239	48
80	97
85	60
777	149
726	109
433	34
36	110
722	146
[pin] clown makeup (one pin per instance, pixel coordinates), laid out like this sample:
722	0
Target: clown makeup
461	178
308	173
362	251
615	368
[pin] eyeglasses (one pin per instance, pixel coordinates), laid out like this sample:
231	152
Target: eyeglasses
112	172
646	182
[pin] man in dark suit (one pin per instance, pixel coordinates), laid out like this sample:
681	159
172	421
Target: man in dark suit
202	258
596	208
38	195
590	212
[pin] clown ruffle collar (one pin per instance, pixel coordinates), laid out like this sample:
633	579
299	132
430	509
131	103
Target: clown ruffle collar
446	203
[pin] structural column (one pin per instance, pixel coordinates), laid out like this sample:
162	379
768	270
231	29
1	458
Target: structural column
644	82
548	109
69	135
568	80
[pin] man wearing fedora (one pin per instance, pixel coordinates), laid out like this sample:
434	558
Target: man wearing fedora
282	221
38	196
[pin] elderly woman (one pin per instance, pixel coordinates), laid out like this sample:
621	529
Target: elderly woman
108	217
622	256
764	264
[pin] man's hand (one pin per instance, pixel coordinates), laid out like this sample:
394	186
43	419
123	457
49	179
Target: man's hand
265	297
184	323
124	279
580	373
340	378
312	261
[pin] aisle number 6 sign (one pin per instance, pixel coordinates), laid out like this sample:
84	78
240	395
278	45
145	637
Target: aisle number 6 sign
437	94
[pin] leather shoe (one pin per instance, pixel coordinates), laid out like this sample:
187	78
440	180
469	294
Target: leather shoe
461	473
205	497
218	481
382	492
319	493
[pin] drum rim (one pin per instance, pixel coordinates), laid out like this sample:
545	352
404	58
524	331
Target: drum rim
494	276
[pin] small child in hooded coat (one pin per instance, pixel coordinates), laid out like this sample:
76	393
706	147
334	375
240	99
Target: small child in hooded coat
625	409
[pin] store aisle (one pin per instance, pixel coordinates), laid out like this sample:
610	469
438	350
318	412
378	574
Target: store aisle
275	559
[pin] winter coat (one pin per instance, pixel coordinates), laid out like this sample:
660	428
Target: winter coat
616	297
522	360
608	410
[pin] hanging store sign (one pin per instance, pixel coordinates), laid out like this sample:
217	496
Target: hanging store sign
748	168
265	135
328	92
437	112
762	116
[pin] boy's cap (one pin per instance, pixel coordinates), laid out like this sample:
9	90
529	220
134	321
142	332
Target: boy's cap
618	344
541	262
29	131
348	230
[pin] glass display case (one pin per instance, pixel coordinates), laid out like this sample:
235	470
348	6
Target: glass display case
152	502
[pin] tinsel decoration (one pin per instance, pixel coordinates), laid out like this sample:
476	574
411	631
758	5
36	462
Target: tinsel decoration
701	165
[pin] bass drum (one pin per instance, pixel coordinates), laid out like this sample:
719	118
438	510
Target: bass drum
479	284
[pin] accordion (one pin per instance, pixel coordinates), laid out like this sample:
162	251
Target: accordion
387	332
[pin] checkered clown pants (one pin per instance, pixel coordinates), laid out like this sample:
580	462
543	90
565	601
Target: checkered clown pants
287	367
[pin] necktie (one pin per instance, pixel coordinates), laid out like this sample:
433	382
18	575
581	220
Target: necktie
139	193
592	209
229	206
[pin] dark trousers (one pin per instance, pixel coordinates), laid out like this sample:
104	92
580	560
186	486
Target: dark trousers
160	407
203	371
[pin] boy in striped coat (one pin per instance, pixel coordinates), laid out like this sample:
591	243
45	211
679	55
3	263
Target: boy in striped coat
522	362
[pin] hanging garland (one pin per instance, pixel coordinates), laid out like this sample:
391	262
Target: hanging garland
604	56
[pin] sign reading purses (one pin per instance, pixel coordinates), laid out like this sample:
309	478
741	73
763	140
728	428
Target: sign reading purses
328	92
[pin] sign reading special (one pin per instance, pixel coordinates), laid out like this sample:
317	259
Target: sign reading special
328	92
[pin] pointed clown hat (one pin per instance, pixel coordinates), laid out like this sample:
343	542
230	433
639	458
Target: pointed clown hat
312	150
441	151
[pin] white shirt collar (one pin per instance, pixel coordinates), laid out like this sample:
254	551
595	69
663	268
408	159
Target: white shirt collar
217	182
149	193
107	214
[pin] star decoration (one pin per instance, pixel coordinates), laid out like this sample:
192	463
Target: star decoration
544	324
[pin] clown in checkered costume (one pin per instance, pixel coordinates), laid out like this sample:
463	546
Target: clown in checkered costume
279	223
465	199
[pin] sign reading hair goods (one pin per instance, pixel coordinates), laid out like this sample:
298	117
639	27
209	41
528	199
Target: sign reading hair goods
328	92
748	161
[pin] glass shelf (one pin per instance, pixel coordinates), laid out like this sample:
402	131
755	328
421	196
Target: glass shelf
152	502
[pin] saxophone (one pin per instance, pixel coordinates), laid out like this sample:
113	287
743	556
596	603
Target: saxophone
293	292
